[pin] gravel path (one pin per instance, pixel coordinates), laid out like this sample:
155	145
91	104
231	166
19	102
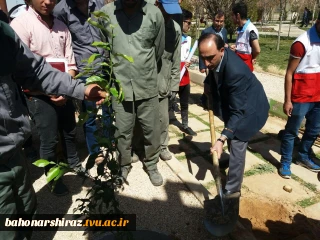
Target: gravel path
273	85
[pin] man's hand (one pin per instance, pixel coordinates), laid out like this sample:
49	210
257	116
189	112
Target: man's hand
58	101
93	92
187	64
233	47
287	108
202	70
172	95
218	147
254	61
207	90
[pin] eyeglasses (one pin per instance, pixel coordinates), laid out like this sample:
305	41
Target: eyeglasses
187	22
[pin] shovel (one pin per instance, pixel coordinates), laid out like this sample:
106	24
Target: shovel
221	214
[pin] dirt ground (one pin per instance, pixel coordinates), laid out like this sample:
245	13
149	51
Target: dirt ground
271	220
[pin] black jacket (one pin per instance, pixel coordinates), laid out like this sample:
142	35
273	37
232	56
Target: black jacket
238	97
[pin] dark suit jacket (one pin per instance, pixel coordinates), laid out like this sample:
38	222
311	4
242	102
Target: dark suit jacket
238	97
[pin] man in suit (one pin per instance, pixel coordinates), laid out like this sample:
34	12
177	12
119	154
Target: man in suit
238	99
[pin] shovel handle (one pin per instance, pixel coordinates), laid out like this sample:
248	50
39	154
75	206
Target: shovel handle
213	140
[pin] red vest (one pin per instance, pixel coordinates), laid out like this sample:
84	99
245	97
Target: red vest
185	78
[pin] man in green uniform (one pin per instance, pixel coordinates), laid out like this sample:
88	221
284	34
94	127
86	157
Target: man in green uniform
138	32
169	75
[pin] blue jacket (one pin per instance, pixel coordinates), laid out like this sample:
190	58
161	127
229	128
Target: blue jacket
223	33
238	97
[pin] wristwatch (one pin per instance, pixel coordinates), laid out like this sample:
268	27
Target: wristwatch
220	140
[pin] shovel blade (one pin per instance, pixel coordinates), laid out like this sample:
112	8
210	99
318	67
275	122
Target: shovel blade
221	221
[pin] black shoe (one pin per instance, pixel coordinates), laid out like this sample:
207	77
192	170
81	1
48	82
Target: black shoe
189	131
176	109
60	189
231	195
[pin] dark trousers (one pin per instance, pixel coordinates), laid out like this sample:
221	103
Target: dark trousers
184	93
90	126
146	112
17	195
50	120
237	159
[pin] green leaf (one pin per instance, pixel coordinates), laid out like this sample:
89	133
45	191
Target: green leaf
114	92
94	79
65	165
96	24
103	45
53	172
61	173
130	59
93	57
100	14
41	163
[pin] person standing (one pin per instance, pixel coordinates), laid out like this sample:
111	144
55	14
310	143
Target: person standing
74	13
247	44
304	17
238	98
52	114
184	86
302	100
217	27
21	68
139	32
169	70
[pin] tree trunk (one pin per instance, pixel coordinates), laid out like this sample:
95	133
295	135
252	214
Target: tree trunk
290	24
280	24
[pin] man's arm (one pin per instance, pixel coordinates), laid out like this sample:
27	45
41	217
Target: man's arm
32	72
254	43
292	66
175	70
159	42
69	55
255	50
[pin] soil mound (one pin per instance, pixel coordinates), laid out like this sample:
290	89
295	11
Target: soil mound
271	220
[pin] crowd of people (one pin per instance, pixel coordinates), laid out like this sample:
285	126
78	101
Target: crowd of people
155	34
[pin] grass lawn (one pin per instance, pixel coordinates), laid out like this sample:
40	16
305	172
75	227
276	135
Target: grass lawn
270	59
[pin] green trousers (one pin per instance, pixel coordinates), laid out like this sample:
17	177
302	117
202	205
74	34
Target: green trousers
17	195
164	122
137	141
146	112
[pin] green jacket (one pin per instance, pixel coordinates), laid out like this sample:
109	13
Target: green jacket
169	67
141	36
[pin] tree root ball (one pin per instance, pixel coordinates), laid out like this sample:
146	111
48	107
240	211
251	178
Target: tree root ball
287	188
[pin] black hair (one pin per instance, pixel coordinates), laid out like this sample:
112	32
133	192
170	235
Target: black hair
186	14
4	16
215	37
240	8
219	14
